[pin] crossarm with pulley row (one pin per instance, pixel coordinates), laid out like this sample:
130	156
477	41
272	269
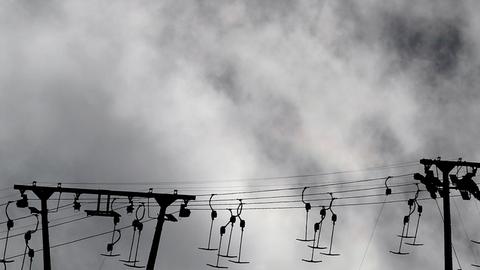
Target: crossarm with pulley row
44	193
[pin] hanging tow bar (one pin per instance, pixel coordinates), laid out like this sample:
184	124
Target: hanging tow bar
222	232
213	215
317	228
10	225
334	221
308	206
242	228
406	222
419	211
137	225
113	241
28	250
232	221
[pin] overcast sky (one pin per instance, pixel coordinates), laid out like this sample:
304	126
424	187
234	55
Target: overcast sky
138	91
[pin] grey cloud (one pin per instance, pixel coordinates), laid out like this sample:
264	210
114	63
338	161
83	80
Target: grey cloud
124	91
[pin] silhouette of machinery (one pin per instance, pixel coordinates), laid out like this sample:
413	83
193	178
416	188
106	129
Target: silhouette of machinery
45	192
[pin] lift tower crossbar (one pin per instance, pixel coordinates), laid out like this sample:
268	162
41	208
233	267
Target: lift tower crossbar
44	193
445	166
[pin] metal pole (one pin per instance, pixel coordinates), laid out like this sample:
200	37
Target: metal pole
447	226
156	239
46	243
446	166
43	193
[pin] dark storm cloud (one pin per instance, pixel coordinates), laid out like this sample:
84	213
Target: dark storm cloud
56	130
434	41
125	91
377	136
434	46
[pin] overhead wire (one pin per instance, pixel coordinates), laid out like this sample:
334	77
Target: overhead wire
197	207
194	203
310	186
63	207
30	215
302	207
293	176
193	208
257	208
308	195
333	184
60	224
373	232
310	200
81	239
284	187
465	231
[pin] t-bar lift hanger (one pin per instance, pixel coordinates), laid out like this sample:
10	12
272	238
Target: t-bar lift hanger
213	216
44	193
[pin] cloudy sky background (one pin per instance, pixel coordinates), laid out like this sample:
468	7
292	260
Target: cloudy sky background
122	91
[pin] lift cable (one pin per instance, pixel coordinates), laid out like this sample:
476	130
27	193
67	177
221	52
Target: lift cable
178	181
465	231
373	231
83	238
336	205
310	200
60	224
30	215
307	195
297	186
253	203
311	186
218	189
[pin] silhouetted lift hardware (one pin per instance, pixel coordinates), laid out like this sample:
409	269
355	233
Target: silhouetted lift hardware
10	225
407	224
130	206
308	206
113	241
434	185
28	250
467	187
137	225
59	185
242	228
317	229
388	191
76	204
406	220
334	221
44	193
411	209
419	211
216	265
213	215
232	221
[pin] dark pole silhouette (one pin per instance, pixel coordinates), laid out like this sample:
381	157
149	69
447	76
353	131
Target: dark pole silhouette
44	193
45	237
447	225
433	185
156	238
